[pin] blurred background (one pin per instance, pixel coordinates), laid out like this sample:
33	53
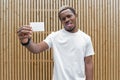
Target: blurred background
98	18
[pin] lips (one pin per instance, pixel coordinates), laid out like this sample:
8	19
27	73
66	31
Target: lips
68	24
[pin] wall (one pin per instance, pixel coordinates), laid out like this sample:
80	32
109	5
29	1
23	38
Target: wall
98	18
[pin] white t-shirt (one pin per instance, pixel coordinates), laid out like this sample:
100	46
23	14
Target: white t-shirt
69	52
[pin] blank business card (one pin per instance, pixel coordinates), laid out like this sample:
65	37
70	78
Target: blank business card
37	26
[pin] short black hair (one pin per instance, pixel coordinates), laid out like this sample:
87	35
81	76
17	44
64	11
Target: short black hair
64	8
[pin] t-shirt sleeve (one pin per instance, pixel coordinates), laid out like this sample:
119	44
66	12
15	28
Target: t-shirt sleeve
49	39
89	48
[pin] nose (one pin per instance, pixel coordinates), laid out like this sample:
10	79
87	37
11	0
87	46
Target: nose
67	20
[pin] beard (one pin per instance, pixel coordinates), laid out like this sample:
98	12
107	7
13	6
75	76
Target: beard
70	29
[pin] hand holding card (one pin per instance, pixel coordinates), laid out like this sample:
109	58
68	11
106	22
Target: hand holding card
37	26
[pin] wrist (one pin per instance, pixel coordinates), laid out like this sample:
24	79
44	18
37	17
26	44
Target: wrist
27	43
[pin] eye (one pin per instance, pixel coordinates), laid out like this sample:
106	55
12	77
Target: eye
68	16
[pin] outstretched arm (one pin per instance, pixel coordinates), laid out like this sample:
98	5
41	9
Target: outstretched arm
25	34
36	48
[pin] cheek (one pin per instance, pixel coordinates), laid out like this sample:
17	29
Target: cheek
63	22
74	21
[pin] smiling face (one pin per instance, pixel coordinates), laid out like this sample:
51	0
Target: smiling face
68	19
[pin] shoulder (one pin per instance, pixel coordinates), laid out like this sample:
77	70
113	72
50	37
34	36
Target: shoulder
84	35
56	33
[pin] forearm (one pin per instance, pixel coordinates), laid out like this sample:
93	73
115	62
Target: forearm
89	71
37	48
33	47
89	68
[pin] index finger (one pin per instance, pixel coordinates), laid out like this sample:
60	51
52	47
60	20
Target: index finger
25	27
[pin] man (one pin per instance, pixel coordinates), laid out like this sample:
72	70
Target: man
72	48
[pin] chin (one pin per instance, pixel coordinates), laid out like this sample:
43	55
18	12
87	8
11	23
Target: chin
70	29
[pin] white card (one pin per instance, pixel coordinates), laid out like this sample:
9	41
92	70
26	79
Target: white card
37	26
